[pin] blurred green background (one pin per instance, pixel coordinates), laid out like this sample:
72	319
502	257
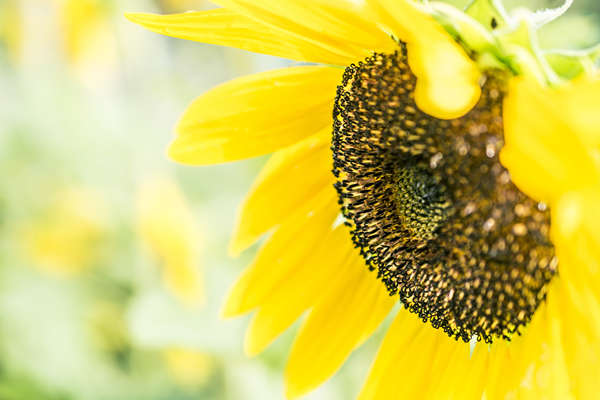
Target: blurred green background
113	260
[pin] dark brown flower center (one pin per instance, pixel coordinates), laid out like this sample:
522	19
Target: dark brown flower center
431	207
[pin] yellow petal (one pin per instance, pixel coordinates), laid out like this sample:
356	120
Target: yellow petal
229	28
537	357
291	178
576	233
538	360
475	367
409	343
302	289
579	339
543	152
418	361
579	102
342	26
449	367
255	115
281	254
353	307
509	362
447	79
559	377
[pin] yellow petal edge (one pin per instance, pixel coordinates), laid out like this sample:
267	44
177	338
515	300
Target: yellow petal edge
447	79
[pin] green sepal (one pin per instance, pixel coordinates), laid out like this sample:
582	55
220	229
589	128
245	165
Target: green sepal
569	64
489	13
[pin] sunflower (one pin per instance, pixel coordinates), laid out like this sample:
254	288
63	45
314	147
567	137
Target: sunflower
419	158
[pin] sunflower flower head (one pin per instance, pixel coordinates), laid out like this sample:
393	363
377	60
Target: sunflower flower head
465	186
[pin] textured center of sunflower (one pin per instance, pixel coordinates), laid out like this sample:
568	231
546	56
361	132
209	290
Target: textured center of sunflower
421	202
431	207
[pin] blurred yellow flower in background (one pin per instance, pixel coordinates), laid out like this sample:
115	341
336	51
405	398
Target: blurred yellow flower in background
67	237
88	38
420	115
166	224
81	32
11	29
189	367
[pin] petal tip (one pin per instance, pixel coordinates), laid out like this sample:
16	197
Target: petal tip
137	18
252	348
177	153
237	244
230	308
227	312
291	391
235	303
295	384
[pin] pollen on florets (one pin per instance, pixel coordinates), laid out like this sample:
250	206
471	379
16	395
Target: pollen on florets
431	208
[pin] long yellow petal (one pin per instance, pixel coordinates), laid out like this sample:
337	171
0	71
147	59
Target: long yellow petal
447	79
255	115
558	382
281	254
579	105
406	336
576	233
543	152
475	367
520	367
417	361
229	28
579	341
303	288
344	26
354	306
291	178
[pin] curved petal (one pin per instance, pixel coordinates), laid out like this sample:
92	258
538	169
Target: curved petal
549	375
543	152
255	115
341	25
576	233
229	28
291	178
578	339
510	363
354	305
301	290
580	106
413	355
281	254
447	79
